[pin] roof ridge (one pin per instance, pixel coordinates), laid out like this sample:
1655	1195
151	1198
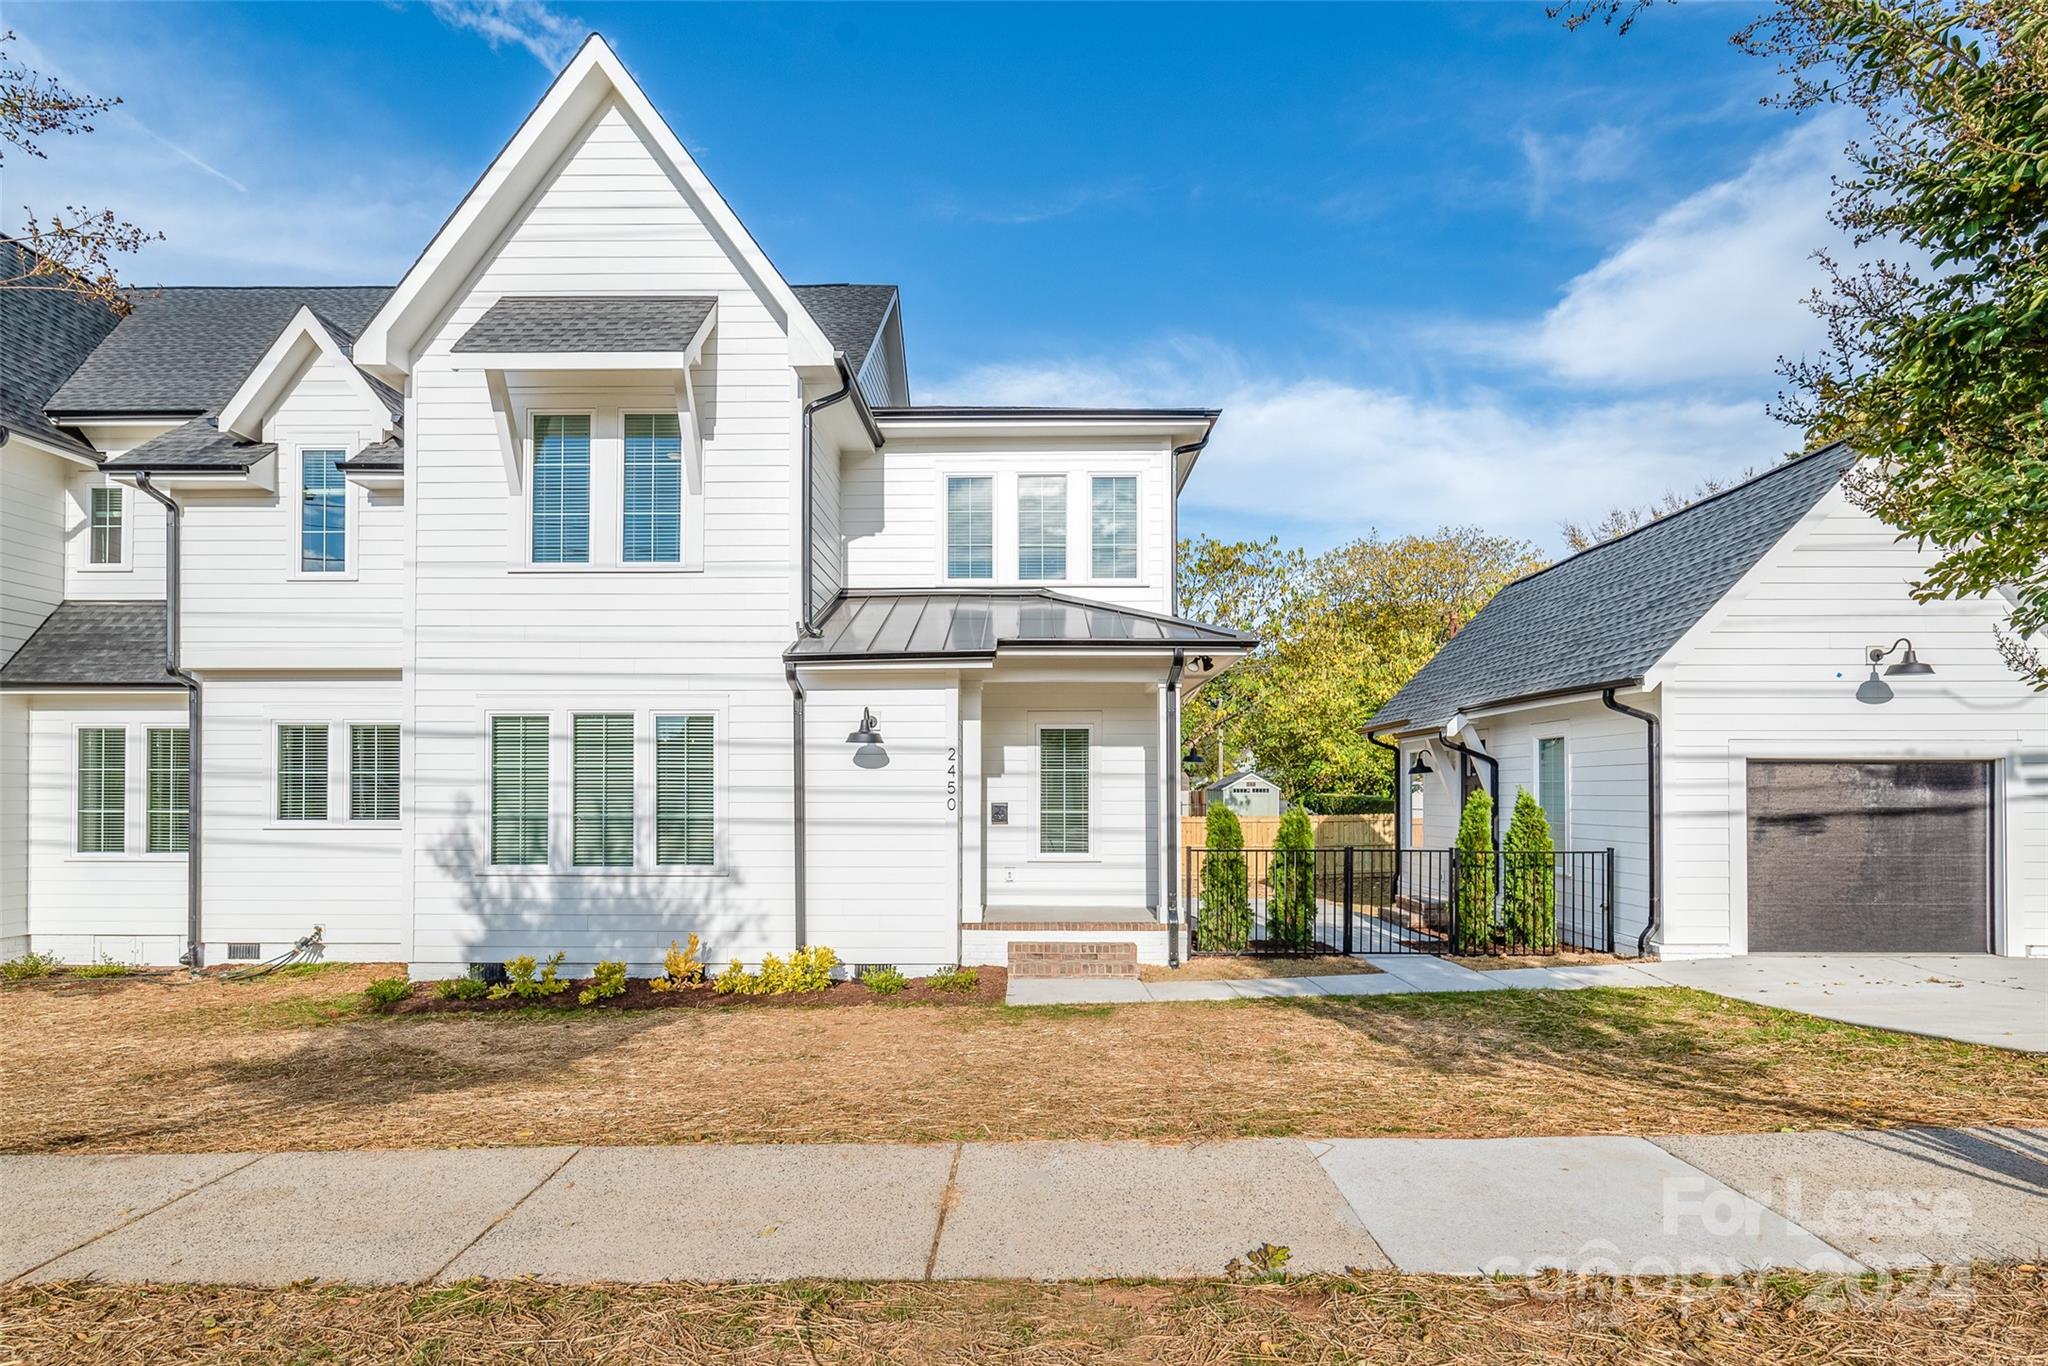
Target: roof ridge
1668	518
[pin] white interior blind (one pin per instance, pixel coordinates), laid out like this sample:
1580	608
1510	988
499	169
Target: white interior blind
519	789
603	776
102	790
169	823
654	489
970	528
1042	526
561	489
1114	521
684	791
323	513
1063	790
1550	784
302	773
106	526
373	773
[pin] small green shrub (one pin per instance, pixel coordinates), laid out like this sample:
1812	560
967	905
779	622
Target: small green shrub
1528	902
461	989
607	979
1291	903
1223	920
806	970
108	966
736	981
387	992
954	979
28	967
529	980
1472	893
680	968
883	979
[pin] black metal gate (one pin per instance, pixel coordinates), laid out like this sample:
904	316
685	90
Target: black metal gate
1352	900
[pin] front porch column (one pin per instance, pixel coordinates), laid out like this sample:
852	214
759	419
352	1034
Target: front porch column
973	807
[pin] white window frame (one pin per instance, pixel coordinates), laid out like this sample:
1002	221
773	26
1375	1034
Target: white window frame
183	724
1037	723
292	486
130	846
1139	578
276	820
1016	482
561	862
600	529
1561	732
998	542
124	563
346	816
683	536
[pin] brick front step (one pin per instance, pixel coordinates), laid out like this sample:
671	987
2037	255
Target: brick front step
1069	959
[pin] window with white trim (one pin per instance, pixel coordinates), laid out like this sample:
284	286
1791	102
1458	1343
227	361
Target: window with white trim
970	527
685	783
1553	785
323	513
1042	526
519	790
1113	523
102	790
653	532
167	825
602	824
1063	790
373	772
302	773
104	539
561	488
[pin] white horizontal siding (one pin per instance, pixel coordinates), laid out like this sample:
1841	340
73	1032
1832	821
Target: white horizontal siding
33	525
140	575
14	819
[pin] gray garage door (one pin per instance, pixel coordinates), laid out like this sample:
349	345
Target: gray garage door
1869	858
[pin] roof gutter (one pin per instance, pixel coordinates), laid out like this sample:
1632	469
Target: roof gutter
1400	787
796	790
848	388
1654	760
1169	810
194	715
1452	730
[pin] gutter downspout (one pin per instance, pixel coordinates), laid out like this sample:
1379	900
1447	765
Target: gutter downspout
1655	760
1492	788
194	769
1393	747
1169	810
796	787
807	625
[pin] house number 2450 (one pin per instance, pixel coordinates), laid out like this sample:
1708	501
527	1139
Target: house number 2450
952	778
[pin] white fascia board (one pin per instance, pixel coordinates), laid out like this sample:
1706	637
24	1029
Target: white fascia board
12	435
303	338
377	481
651	361
261	475
914	429
389	344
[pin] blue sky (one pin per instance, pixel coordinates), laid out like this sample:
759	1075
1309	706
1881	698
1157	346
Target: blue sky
1438	264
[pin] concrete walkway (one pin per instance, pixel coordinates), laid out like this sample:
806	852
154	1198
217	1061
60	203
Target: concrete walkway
1397	973
1602	1205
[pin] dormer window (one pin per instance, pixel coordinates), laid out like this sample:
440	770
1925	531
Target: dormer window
105	537
323	513
970	527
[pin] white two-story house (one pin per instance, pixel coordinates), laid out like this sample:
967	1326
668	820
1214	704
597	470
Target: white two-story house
591	587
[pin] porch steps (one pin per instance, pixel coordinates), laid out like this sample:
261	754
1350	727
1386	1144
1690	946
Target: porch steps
1069	959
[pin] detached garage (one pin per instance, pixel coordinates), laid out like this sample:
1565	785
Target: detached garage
1785	751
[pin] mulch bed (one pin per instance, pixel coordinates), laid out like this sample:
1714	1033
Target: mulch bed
990	987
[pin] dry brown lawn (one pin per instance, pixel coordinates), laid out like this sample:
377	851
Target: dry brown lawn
170	1064
1225	967
1500	962
1997	1314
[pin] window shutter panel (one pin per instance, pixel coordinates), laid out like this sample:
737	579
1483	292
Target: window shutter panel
684	783
603	777
170	792
102	790
1063	790
519	789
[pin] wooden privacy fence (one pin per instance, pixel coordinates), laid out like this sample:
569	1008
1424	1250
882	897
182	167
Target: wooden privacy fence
1332	832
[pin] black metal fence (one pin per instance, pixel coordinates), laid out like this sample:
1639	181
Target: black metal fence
1297	902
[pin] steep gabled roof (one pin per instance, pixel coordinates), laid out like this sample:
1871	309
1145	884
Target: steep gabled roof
851	316
1609	613
93	645
186	349
44	336
306	339
197	445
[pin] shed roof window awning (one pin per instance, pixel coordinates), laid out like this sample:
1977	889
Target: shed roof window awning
910	627
566	330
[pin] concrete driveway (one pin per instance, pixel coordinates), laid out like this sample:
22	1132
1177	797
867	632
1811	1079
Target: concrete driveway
1976	998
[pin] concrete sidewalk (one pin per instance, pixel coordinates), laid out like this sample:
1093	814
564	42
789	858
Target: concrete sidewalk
1718	1205
1397	973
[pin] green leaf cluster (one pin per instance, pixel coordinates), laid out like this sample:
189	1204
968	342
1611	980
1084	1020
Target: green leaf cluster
1472	888
1291	883
1528	901
1223	918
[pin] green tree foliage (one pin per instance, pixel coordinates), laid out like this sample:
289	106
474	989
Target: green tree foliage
1291	882
1223	922
1340	633
1528	899
1472	894
1936	359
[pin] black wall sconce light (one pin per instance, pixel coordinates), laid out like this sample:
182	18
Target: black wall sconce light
870	730
1874	690
1420	766
1192	760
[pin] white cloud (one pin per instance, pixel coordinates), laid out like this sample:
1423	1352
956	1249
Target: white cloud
1713	289
552	37
1328	457
1038	209
1601	154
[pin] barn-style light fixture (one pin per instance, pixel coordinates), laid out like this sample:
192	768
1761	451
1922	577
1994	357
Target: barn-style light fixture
870	730
1874	690
1420	766
1909	667
1192	760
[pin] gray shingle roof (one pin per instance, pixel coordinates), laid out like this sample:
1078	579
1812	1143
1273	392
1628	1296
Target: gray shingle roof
44	336
967	624
388	454
195	445
1611	612
588	323
93	645
186	349
850	316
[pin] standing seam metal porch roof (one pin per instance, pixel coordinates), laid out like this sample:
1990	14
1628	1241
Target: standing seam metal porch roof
941	625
